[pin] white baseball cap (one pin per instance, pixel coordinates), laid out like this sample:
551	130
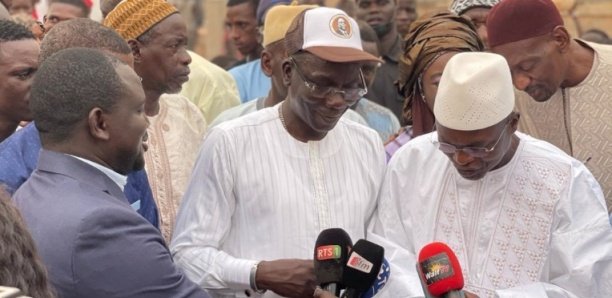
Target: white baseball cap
475	92
327	33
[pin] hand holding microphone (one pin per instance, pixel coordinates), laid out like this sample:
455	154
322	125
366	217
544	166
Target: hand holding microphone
287	277
330	255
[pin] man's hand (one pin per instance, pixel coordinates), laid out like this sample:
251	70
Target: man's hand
320	293
289	278
470	295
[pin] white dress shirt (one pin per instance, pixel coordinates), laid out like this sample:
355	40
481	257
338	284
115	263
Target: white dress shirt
120	180
259	194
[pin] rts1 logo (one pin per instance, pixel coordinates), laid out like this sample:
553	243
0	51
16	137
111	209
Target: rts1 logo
328	252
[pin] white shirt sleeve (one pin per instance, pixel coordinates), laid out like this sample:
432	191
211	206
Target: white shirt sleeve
580	260
204	221
393	232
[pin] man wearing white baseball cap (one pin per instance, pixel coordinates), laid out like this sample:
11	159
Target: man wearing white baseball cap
266	184
523	217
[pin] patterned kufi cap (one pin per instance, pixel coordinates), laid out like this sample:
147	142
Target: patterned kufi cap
460	6
475	92
132	18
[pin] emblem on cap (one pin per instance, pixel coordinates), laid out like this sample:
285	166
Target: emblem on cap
341	26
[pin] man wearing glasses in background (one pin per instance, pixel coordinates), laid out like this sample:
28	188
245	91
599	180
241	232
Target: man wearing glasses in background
524	218
268	183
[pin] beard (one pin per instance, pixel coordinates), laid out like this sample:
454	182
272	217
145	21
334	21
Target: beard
382	29
130	161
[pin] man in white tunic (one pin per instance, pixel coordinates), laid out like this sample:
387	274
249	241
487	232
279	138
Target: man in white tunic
524	218
267	183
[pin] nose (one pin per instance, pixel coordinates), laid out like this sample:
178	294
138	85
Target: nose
147	124
336	100
462	158
233	33
521	81
185	58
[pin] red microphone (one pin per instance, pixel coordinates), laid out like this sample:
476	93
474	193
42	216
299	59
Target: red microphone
440	271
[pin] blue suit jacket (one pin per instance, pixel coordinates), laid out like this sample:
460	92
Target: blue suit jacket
92	242
19	156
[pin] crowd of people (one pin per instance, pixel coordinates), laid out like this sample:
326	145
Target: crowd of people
133	167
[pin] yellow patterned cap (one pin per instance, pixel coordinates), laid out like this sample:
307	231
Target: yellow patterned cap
278	19
132	18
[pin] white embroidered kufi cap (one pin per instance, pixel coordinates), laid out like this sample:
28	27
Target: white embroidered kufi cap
475	92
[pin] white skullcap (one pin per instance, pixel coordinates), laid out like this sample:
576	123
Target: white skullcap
475	92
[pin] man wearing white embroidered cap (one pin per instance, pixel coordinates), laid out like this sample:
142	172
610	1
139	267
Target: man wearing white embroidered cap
524	218
267	183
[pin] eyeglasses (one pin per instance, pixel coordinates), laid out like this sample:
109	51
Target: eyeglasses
350	95
472	151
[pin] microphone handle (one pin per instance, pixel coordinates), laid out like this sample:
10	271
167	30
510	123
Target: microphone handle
332	288
454	294
351	293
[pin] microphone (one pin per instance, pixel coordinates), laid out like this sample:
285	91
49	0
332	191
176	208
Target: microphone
330	255
380	282
362	268
439	271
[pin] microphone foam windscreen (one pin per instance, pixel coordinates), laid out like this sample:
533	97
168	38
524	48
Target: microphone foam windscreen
439	268
381	280
363	265
330	255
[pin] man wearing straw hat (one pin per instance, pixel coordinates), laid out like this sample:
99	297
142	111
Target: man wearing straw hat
157	35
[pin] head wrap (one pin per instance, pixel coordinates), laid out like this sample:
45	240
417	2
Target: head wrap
132	18
515	20
428	38
461	6
475	92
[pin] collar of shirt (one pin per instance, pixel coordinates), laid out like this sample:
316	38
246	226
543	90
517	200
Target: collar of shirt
120	180
395	51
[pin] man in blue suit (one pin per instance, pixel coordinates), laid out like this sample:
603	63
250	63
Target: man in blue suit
89	109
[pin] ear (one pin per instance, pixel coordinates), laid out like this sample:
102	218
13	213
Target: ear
562	38
287	67
266	62
98	127
136	47
514	120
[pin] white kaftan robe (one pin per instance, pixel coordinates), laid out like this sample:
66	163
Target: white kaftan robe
536	227
257	193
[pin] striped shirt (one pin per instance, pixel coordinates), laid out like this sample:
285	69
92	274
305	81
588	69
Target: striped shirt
259	194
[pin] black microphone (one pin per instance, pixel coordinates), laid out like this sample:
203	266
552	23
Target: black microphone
362	268
330	255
